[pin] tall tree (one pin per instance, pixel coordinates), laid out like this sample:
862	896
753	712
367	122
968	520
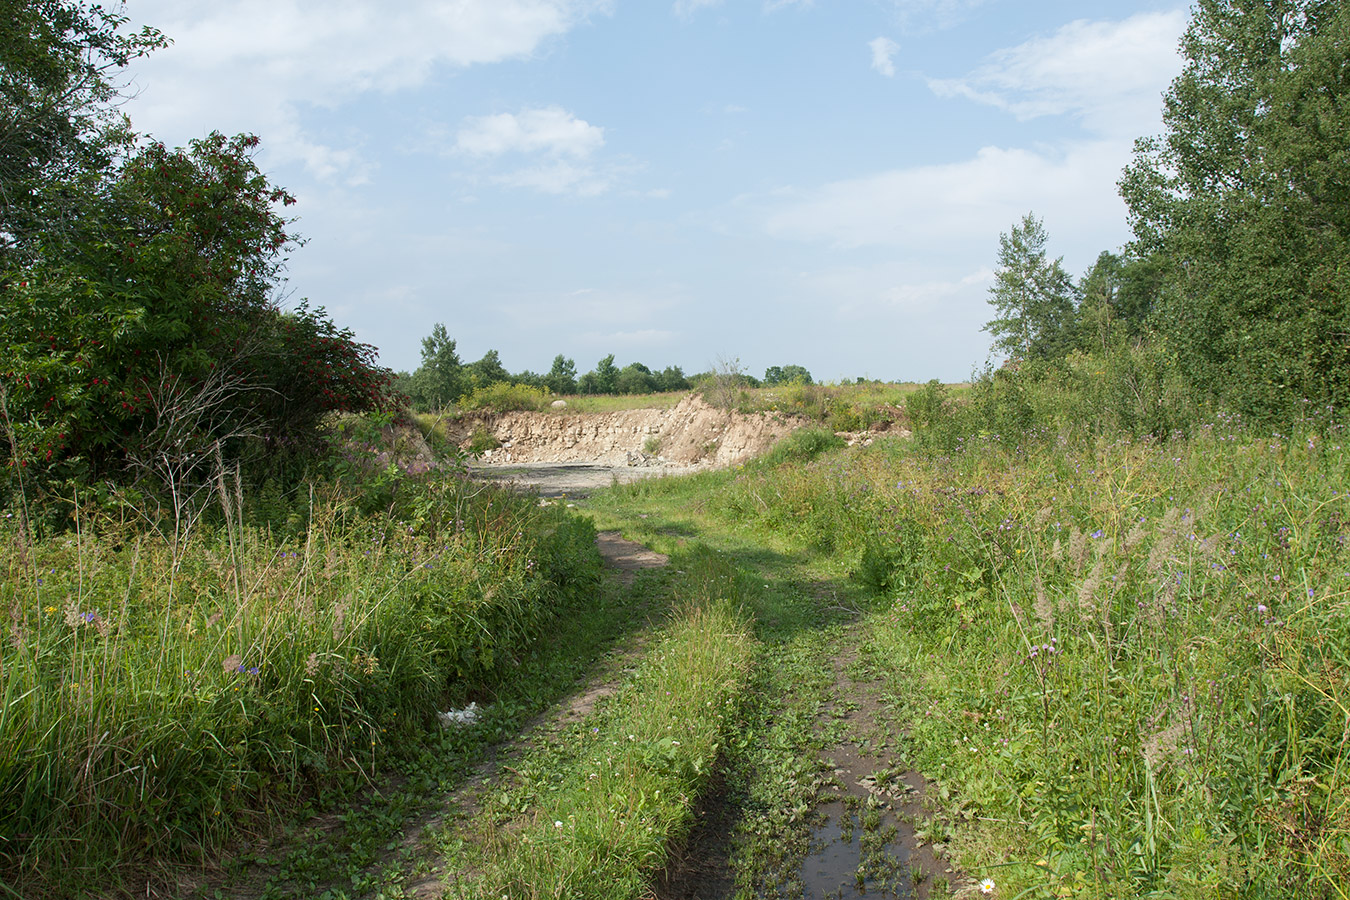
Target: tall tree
488	370
1244	199
606	376
562	377
58	121
1033	296
440	378
146	334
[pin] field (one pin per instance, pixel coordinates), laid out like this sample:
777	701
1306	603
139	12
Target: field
1112	668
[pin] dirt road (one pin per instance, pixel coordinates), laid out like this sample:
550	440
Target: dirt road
570	479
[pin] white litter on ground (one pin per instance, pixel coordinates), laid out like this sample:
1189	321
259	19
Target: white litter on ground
457	718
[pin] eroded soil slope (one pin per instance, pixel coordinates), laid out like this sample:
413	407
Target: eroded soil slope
692	433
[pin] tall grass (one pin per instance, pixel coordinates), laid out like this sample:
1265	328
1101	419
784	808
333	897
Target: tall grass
158	697
1131	657
600	822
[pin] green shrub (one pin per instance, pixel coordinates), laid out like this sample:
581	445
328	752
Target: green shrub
505	397
802	445
481	440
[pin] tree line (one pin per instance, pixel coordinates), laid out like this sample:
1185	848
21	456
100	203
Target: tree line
1234	288
443	378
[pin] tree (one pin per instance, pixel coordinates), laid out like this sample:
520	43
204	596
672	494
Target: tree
562	377
635	378
1243	201
672	378
440	378
58	121
786	375
487	371
603	379
1033	297
145	336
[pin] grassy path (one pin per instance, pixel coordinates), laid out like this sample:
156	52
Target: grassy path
714	727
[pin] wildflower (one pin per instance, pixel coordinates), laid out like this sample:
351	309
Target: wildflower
987	886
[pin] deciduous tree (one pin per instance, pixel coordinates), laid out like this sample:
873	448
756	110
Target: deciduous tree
1245	198
1033	296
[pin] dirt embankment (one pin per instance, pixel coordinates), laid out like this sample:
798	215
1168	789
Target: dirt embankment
693	433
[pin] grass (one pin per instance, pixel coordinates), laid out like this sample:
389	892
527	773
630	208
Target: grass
1123	662
592	813
164	697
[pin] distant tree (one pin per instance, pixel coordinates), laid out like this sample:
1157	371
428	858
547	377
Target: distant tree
775	375
589	384
635	378
1034	297
487	371
672	378
440	378
562	377
606	376
533	379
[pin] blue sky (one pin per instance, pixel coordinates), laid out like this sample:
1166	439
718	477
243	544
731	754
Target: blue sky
777	181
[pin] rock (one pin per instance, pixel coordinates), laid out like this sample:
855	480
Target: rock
559	404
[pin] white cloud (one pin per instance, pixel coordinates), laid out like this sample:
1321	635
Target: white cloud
883	55
565	143
645	337
928	294
1110	75
933	208
558	177
253	65
551	130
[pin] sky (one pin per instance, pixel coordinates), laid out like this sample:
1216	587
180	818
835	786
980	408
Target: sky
677	182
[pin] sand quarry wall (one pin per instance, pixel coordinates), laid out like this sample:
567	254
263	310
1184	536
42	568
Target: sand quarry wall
691	433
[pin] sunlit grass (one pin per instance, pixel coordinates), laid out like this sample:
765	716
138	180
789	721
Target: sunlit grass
160	697
1124	661
594	818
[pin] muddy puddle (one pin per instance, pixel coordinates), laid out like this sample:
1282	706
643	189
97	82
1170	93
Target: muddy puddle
857	853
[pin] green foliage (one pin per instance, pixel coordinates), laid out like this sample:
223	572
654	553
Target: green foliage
802	445
1242	201
635	378
1034	298
487	371
506	397
144	343
58	118
775	375
603	379
672	378
440	380
1127	647
194	685
562	377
